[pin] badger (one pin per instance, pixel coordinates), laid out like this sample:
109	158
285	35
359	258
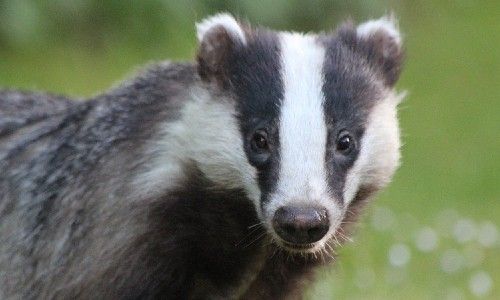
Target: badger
232	177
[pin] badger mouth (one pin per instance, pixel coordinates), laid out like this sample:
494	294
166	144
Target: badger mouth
313	252
298	247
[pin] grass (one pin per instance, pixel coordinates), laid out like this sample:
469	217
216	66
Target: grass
448	188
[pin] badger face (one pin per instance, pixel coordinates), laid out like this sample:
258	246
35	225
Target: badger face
317	117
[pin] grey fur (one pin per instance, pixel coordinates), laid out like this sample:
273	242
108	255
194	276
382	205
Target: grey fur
58	160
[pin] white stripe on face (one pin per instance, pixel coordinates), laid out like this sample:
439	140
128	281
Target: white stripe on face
303	132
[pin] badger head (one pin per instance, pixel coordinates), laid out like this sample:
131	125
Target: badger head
316	114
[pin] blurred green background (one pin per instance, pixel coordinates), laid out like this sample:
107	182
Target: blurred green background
434	233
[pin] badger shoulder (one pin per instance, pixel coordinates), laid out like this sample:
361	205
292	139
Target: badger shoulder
27	116
20	108
157	81
164	80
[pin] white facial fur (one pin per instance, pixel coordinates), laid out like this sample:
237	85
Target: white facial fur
303	132
208	134
379	149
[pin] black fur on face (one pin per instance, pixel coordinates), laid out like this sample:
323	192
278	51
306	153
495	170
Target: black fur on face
251	72
358	70
350	91
256	81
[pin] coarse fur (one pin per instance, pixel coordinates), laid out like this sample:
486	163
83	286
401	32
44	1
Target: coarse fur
156	190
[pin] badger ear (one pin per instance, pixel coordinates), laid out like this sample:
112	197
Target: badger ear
219	37
381	42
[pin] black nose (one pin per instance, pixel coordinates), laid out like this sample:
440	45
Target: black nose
301	225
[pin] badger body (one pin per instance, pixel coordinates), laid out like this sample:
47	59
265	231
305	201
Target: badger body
232	177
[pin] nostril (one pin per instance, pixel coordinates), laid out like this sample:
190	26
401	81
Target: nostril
317	232
289	228
314	231
301	225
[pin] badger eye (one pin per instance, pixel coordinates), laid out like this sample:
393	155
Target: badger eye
259	141
345	143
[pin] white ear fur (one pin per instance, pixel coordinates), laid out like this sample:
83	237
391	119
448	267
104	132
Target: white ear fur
387	24
223	19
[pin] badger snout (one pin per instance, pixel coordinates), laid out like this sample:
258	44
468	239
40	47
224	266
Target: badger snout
301	225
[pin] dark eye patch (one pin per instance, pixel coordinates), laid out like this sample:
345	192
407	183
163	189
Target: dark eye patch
350	89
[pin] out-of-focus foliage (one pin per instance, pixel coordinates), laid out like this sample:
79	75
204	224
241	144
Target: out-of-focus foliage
95	23
435	232
100	40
